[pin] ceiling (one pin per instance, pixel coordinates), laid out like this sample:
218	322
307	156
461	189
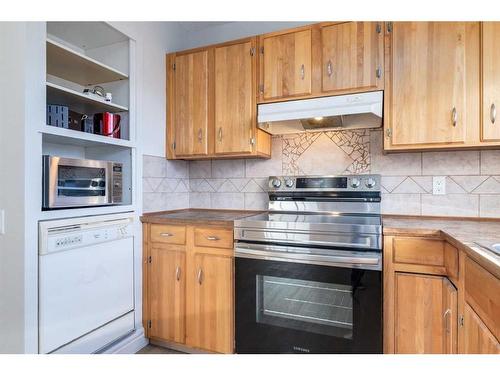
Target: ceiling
197	26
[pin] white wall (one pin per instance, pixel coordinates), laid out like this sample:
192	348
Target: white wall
154	39
12	132
158	38
22	104
232	31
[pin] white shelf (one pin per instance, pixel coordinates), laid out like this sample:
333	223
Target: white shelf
66	63
79	102
86	35
53	134
86	211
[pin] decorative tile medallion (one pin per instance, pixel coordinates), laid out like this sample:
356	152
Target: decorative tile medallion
344	152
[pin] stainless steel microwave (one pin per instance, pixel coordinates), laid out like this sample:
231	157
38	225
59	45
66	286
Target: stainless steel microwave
81	182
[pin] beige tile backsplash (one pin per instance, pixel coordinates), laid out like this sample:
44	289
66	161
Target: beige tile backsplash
472	177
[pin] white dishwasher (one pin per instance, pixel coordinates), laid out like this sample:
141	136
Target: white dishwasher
86	283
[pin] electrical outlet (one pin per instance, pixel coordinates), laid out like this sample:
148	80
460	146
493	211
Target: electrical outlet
439	185
2	221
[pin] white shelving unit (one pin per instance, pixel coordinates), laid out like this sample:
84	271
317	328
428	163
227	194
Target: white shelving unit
82	55
83	50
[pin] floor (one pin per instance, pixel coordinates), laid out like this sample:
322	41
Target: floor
153	349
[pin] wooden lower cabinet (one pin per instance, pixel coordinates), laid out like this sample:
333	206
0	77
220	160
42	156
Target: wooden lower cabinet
437	299
188	289
209	306
425	314
167	293
478	338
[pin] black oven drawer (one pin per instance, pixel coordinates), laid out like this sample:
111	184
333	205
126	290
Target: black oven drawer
284	307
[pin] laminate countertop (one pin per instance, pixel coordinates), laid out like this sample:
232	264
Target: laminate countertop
197	216
462	233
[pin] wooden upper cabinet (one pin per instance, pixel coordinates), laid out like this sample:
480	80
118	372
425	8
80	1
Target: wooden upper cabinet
352	56
210	313
425	314
235	99
286	64
167	293
191	97
212	103
491	81
428	86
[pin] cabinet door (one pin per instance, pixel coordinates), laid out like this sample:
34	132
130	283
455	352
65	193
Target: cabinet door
235	96
351	56
425	314
450	318
210	316
191	103
287	64
491	81
427	96
478	338
167	294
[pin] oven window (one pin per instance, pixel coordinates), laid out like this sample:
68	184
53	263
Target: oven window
310	306
81	181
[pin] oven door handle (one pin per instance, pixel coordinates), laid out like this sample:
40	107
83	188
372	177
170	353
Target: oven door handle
349	260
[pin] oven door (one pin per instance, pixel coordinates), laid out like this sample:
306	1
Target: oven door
303	306
75	182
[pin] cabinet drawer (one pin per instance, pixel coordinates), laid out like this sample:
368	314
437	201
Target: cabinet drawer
213	237
418	251
482	293
171	234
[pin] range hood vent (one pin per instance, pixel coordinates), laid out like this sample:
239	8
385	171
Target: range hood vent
354	111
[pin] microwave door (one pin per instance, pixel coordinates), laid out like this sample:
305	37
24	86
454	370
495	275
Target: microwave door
76	183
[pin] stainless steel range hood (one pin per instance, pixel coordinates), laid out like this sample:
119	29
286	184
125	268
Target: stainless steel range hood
354	111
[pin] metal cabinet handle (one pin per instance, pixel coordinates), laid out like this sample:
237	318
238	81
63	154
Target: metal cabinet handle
446	320
178	273
220	134
329	68
166	234
213	238
200	276
302	72
454	116
493	113
200	136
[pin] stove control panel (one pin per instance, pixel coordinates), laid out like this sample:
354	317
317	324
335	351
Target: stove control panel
325	183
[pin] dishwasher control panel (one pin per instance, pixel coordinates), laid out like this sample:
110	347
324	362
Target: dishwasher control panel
60	238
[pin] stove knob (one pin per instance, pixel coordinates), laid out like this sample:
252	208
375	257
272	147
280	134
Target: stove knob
276	183
370	183
355	182
289	183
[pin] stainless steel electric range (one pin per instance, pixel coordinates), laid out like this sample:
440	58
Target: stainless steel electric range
309	271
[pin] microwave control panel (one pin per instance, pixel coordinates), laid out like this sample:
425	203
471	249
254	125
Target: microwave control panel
117	183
